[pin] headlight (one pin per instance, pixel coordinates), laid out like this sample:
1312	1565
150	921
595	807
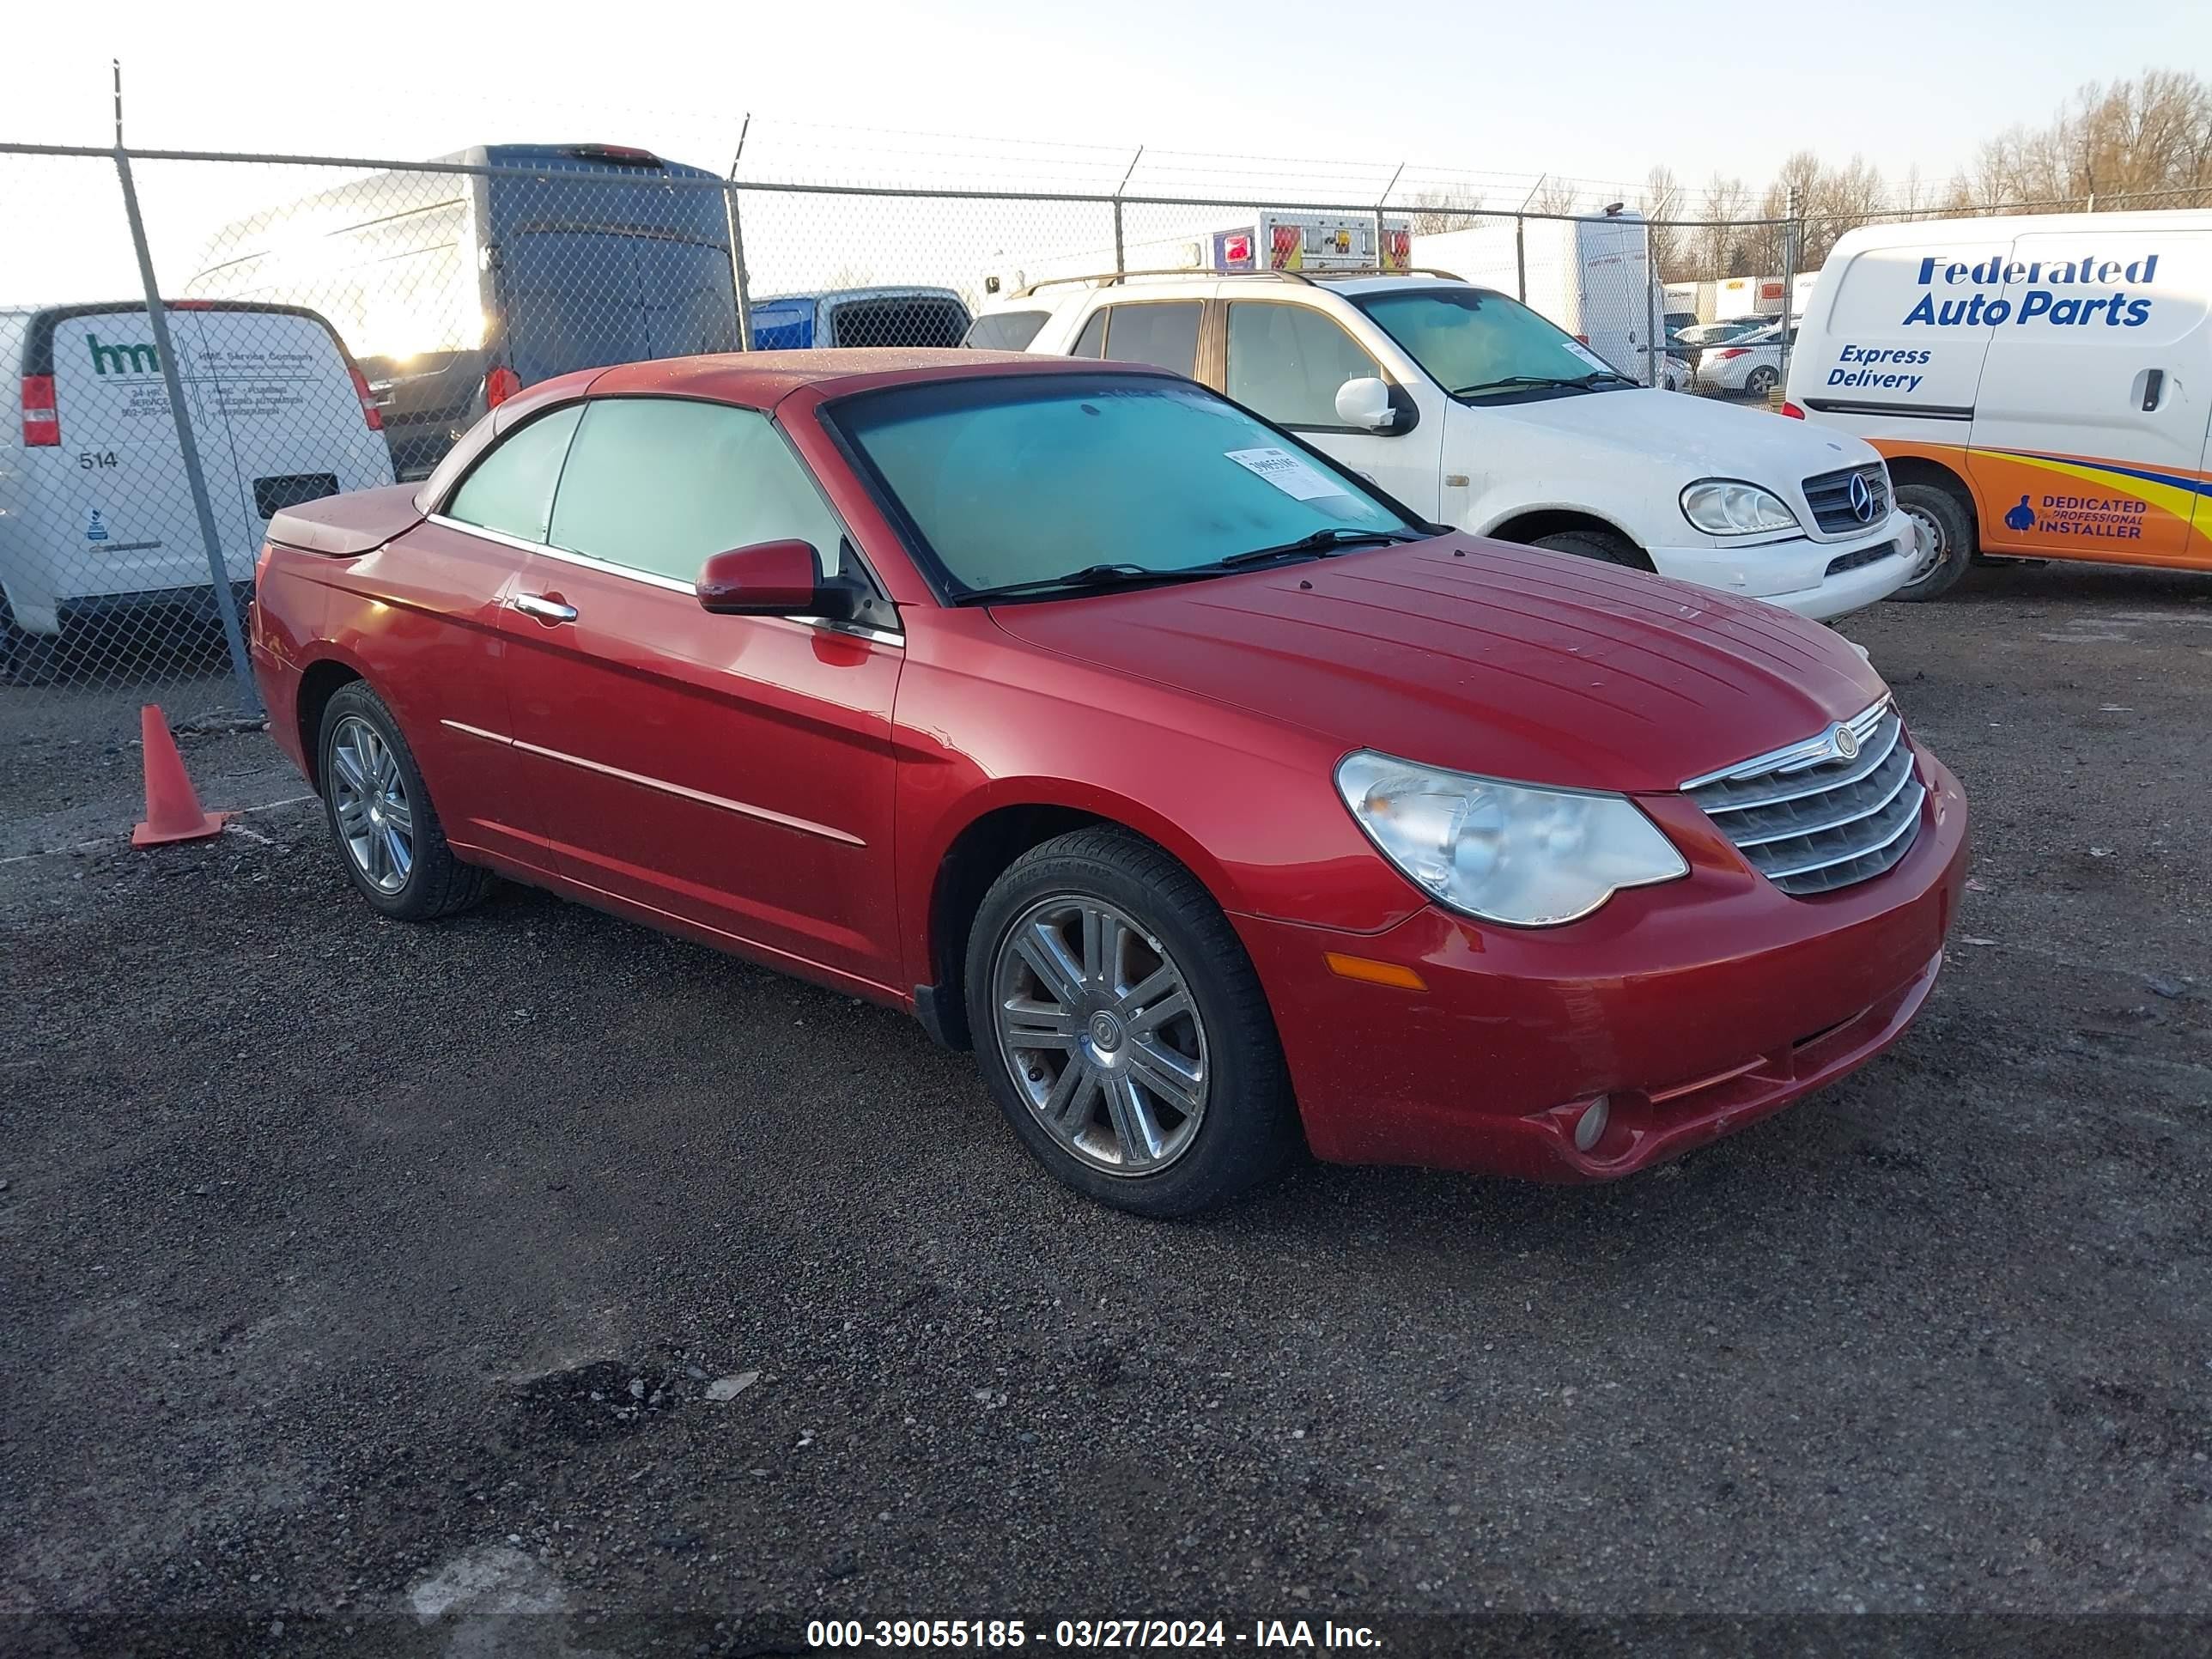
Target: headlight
1502	851
1729	507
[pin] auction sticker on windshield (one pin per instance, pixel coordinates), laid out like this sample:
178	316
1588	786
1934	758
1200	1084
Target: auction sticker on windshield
1287	472
1587	355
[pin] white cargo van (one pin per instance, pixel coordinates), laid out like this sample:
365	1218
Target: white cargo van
1591	277
1474	411
96	519
2042	386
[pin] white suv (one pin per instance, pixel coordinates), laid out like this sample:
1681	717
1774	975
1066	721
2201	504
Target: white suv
1476	412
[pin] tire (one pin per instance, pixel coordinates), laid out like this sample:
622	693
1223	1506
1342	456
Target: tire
1091	1090
428	882
1760	382
1942	513
26	658
1601	544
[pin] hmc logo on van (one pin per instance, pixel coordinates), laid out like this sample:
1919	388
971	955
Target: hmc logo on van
124	359
2044	298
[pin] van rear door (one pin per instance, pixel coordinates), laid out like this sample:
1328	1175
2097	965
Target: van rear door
2089	429
583	299
279	419
115	507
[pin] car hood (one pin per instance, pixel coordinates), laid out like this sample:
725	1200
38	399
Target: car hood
1695	436
1508	661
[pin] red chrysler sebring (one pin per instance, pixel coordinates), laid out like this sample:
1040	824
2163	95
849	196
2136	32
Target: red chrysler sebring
1216	801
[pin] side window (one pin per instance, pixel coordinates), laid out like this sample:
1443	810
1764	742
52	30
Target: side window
1165	335
1286	362
511	489
660	484
1092	342
1005	330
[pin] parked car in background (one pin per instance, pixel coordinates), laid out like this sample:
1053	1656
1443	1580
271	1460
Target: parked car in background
2042	385
1474	411
1711	334
1118	734
98	528
858	317
457	288
1750	365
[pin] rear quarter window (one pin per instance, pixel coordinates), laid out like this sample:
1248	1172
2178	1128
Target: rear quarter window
511	489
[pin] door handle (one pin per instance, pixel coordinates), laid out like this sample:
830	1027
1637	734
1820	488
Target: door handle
546	610
2154	385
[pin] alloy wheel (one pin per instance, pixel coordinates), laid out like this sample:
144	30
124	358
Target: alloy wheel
1935	546
1100	1032
375	820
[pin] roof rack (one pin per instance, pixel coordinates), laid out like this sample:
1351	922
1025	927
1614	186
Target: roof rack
1109	278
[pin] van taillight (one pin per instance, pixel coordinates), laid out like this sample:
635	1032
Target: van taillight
1793	411
370	411
42	422
500	385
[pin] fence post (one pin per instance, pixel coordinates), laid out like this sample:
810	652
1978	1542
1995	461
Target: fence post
1380	261
1792	238
1120	264
226	602
1521	258
738	268
1651	309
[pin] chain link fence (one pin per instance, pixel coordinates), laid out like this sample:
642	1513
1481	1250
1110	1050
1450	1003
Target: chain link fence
190	343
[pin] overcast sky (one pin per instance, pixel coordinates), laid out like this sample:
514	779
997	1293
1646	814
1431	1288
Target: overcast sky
1034	96
1601	89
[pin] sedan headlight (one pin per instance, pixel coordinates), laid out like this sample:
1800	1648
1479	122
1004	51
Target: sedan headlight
1729	507
1504	852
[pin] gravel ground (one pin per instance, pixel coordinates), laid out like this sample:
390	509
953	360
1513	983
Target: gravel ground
368	1287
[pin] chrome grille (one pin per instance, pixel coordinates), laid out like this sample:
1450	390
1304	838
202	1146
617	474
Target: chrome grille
1810	820
1829	495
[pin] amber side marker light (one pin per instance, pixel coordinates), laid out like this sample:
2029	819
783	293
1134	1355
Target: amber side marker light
1372	972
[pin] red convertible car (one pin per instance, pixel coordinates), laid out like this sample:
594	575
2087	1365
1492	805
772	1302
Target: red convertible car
1218	803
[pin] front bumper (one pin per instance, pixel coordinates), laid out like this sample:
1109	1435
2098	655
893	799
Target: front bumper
1800	574
1694	1008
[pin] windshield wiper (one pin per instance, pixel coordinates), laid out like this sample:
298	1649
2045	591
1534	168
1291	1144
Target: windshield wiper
1321	541
1581	382
1090	576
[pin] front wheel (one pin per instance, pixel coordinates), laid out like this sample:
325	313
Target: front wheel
1122	1029
1600	545
1947	533
387	832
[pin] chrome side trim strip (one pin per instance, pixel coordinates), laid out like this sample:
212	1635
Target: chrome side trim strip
743	809
1807	752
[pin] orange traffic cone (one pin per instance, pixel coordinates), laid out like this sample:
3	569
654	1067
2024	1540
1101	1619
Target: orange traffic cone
173	810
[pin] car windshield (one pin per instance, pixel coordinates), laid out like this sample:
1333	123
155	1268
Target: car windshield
1485	348
1063	483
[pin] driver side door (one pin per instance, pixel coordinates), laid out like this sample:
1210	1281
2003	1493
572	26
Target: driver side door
731	773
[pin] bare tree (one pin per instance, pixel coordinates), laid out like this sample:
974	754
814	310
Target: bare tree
1663	205
1555	195
1438	209
1716	246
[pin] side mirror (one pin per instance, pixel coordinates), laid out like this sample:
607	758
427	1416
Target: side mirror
1366	404
770	579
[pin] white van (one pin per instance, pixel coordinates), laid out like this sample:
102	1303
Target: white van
1591	277
1474	411
96	519
2042	385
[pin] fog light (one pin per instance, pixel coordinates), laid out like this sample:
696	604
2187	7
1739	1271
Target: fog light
1590	1126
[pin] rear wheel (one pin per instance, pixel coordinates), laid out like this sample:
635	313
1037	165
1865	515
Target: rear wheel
1945	524
1601	544
1760	382
26	658
1122	1030
387	832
